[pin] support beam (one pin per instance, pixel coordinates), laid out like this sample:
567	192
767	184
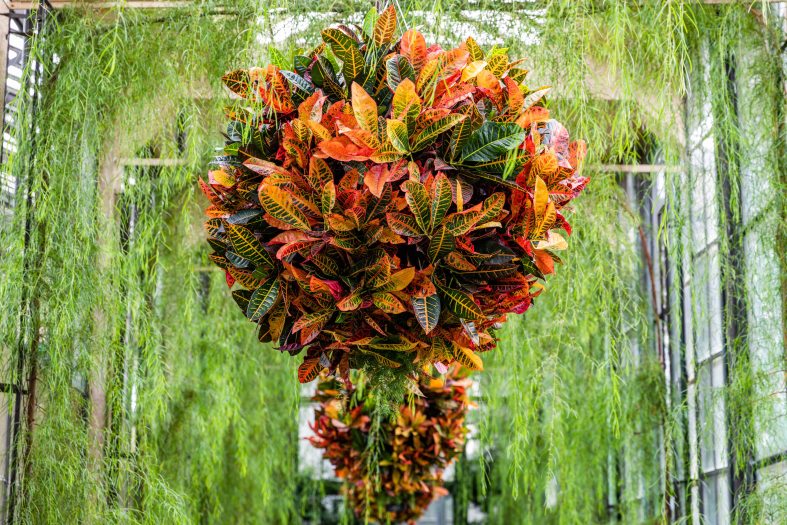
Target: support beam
151	162
635	168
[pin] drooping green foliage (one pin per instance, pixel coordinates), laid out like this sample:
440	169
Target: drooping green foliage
575	421
145	411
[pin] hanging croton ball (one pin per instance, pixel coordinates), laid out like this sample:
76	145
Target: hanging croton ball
382	202
411	451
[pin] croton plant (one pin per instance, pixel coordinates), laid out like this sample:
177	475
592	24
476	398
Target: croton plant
381	202
412	450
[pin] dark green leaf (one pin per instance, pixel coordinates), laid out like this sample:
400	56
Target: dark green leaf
346	49
427	311
247	246
301	88
263	299
491	141
441	243
460	303
398	68
242	297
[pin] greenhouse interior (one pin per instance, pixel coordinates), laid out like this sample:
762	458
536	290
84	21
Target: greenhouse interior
497	262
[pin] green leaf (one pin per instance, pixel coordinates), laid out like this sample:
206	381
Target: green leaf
427	311
241	298
511	162
262	299
388	303
462	131
280	205
369	21
327	197
390	363
430	132
492	140
460	303
441	243
312	319
492	207
462	222
529	268
346	49
324	76
441	199
301	88
403	224
327	265
277	58
517	75
248	247
397	134
392	344
476	53
301	64
498	271
405	104
236	260
418	201
398	68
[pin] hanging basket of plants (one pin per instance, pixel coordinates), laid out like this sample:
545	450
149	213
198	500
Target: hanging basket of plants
393	471
381	202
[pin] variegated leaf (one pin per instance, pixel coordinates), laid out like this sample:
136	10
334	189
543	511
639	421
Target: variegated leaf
427	311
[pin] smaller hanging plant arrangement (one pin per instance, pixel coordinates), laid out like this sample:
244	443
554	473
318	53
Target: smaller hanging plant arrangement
384	203
393	471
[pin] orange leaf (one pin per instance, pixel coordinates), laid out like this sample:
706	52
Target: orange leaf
311	108
309	369
385	26
544	261
375	179
342	149
278	94
531	115
363	138
515	98
413	47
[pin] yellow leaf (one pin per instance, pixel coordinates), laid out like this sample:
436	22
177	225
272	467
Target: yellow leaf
385	26
466	357
473	69
555	242
402	278
405	105
540	199
365	109
397	134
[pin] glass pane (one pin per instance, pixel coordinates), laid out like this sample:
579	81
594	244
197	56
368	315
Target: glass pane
719	413
771	481
705	418
701	307
766	343
723	498
709	501
715	329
